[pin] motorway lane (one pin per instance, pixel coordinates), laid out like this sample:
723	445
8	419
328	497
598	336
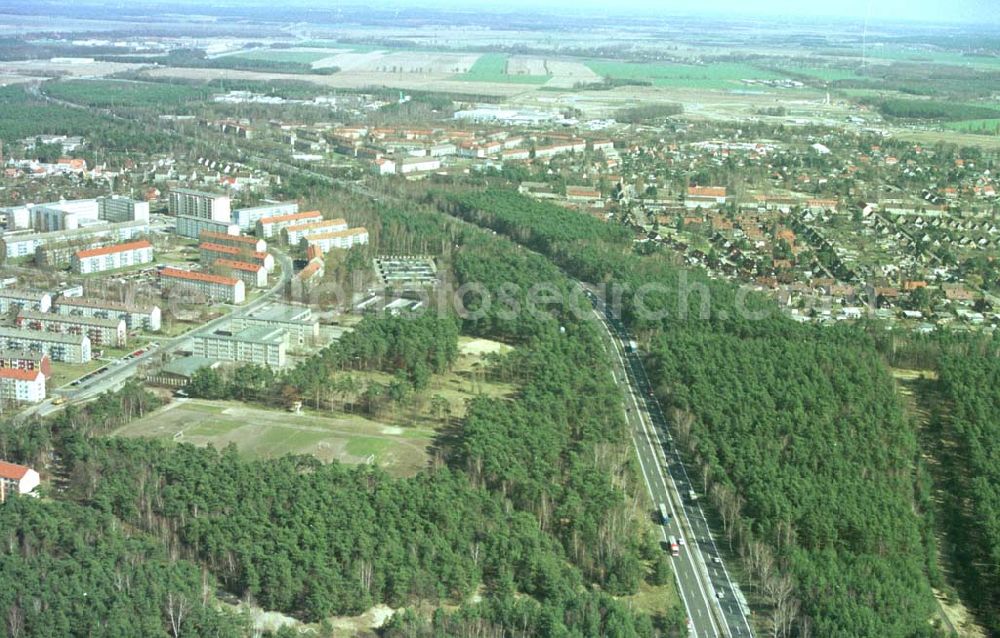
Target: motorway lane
703	575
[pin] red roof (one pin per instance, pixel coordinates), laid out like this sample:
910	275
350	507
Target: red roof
177	273
707	191
12	471
320	224
19	375
312	214
243	239
116	248
219	248
238	265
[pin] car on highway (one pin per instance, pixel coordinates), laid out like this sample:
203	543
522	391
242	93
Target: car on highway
720	594
680	541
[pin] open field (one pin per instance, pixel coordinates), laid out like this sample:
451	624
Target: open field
46	68
423	62
982	127
497	67
271	433
711	76
303	56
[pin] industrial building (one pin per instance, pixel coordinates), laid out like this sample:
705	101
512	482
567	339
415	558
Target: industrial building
243	242
270	226
119	209
259	345
136	317
253	275
65	348
102	332
112	257
225	289
292	235
210	252
338	239
24	300
22	386
247	218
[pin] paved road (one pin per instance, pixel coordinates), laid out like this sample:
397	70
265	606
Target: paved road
118	373
711	599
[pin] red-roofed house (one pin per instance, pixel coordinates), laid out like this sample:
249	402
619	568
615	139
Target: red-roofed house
22	386
252	274
16	479
705	196
225	289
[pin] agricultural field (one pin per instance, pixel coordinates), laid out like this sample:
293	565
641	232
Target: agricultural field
425	62
261	433
301	56
108	93
498	67
981	127
710	76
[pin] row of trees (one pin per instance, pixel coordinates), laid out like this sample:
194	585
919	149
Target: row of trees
970	388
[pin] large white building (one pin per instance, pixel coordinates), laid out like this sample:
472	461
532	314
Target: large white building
300	326
260	345
247	218
225	289
22	386
271	226
184	202
64	215
20	245
112	257
338	239
16	480
136	317
24	299
292	235
193	227
59	347
119	209
102	332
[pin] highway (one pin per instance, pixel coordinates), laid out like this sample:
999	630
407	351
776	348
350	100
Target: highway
714	604
119	371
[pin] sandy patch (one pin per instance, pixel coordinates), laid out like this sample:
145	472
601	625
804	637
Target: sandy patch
349	61
423	62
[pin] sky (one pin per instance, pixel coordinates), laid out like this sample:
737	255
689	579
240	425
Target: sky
966	11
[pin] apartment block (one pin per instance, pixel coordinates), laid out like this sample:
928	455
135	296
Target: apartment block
24	300
22	386
136	317
243	242
215	287
59	347
292	235
260	345
184	202
247	218
119	209
102	332
271	226
342	239
16	480
210	252
22	359
112	257
253	275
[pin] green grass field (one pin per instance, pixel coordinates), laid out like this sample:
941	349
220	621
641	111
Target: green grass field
106	93
492	67
710	76
281	55
261	433
982	127
827	74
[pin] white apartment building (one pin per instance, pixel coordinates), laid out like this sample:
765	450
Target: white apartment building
20	245
184	202
59	347
253	275
338	239
260	345
64	215
22	386
271	226
16	479
243	242
112	257
136	317
24	299
102	332
292	235
247	218
193	227
210	252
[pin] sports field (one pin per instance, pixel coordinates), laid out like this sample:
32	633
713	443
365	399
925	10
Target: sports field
263	433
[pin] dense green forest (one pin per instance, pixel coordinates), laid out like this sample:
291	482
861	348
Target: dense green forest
801	442
970	388
531	504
